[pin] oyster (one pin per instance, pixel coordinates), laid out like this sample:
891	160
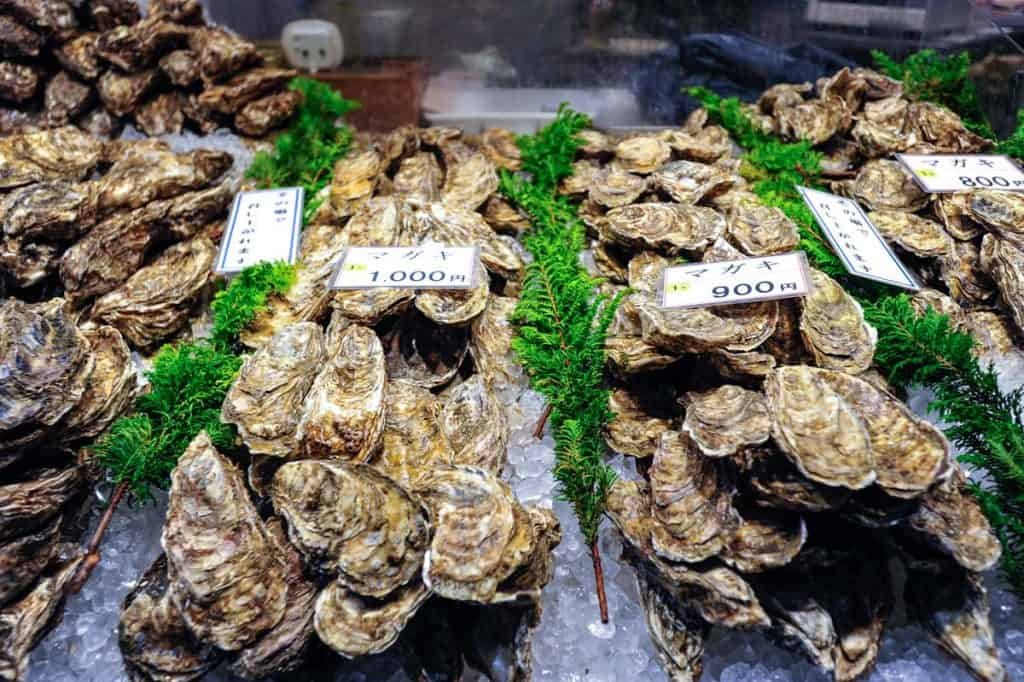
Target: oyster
585	173
969	281
370	306
23	559
181	67
688	182
475	425
615	187
155	302
47	366
1005	261
243	88
152	635
100	123
460	227
144	174
783	96
163	115
697	330
919	236
954	212
669	228
885	185
833	328
481	533
18	82
59	154
419	178
259	117
17	40
763	540
491	341
594	142
725	419
468	184
801	621
220	52
1001	212
774	482
414	440
265	400
355	626
455	307
131	48
992	331
706	145
65	99
678	635
355	178
815	121
941	130
52	210
351	521
123	93
634	430
642	155
28	505
107	14
343	416
229	593
425	353
109	391
691	504
760	230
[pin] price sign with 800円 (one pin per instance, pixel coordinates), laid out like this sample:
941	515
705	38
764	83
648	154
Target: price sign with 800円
943	173
429	266
739	281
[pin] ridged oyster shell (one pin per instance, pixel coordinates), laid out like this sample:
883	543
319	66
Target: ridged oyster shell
725	419
833	327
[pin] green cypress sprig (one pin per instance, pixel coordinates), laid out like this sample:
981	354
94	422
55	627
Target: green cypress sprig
235	307
561	324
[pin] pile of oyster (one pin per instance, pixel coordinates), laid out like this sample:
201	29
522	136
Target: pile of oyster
61	385
782	481
364	498
967	246
123	230
98	64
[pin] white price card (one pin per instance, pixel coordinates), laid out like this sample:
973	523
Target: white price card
264	226
429	266
941	173
856	241
738	281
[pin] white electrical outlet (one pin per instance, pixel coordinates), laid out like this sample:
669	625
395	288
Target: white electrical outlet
312	44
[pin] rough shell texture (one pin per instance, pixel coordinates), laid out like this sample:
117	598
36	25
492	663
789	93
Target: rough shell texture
833	327
355	626
633	431
669	228
414	440
695	330
343	416
615	187
642	154
470	183
765	539
59	154
475	424
760	230
725	419
352	521
886	185
1001	212
265	400
425	353
225	573
919	236
110	389
688	182
455	306
1005	262
491	341
678	634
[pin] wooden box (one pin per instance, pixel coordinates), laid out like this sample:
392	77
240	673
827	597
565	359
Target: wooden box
390	91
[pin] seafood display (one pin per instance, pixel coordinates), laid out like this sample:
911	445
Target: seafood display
99	64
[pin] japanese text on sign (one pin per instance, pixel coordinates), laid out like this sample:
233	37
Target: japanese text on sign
740	281
856	241
429	266
938	173
264	226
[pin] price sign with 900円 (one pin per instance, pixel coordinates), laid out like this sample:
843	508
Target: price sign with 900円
429	266
738	281
943	173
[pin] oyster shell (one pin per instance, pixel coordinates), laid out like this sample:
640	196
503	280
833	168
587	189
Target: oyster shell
243	88
954	212
481	533
123	93
697	330
414	440
783	96
343	416
940	130
688	182
801	621
460	227
424	353
706	145
763	540
47	366
59	154
725	419
833	327
152	636
678	635
815	121
109	391
885	185
615	187
491	341
634	430
221	53
642	154
355	178
28	505
145	173
919	236
229	593
163	115
774	482
17	40
52	210
962	270
65	99
691	504
419	178
352	521
992	331
23	559
355	626
18	82
1001	212
454	307
265	400
585	173
1005	262
181	67
154	303
669	228
475	425
760	230
468	184
594	142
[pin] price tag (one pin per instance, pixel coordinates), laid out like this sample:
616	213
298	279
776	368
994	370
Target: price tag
941	173
264	226
738	281
430	266
856	240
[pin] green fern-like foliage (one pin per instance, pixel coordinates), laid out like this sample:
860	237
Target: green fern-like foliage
983	421
304	155
561	321
235	307
932	77
1014	144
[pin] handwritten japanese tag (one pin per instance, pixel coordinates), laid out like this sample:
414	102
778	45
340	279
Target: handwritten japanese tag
430	266
738	281
856	241
939	173
264	226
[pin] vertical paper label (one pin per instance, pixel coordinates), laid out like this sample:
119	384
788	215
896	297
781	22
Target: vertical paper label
856	241
264	226
942	173
430	266
740	281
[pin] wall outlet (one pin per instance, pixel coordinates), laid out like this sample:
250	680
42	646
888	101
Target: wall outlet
312	45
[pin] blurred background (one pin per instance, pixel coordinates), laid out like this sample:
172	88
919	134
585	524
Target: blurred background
477	63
